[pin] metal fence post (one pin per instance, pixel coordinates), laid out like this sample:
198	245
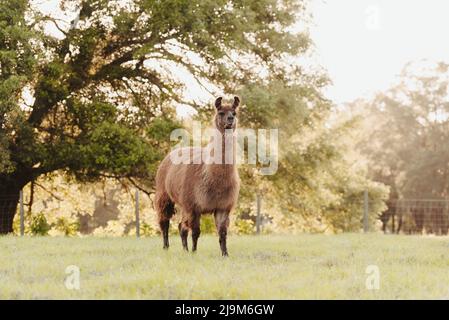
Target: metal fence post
365	212
259	200
22	219
137	215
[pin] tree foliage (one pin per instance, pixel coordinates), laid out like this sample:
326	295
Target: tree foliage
98	85
406	141
91	92
97	90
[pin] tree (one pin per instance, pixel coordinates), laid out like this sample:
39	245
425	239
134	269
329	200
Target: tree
407	132
4	159
103	88
317	187
320	183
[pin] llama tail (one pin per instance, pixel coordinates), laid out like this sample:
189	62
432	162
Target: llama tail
164	206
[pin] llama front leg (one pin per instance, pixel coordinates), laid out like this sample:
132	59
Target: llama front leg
222	224
196	230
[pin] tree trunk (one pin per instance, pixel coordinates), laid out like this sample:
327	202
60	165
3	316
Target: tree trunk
399	224
393	223
9	198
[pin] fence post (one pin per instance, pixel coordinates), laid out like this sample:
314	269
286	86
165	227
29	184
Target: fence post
137	215
365	212
22	219
259	200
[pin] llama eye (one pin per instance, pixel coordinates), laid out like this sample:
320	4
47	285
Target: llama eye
221	113
234	113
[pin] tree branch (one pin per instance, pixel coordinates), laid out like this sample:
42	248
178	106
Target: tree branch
48	191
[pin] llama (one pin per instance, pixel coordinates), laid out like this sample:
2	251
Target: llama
201	186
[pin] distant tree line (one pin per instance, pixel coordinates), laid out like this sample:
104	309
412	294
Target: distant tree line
405	139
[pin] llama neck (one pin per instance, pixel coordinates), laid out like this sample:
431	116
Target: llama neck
221	160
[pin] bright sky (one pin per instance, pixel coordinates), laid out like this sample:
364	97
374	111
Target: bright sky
364	44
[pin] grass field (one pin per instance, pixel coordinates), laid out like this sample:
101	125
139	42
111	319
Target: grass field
265	267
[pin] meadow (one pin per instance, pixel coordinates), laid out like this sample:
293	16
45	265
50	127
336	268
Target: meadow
259	267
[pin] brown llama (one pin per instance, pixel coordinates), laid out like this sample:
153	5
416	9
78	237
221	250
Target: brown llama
201	185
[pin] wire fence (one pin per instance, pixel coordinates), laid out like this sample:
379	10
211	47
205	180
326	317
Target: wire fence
56	215
416	216
17	217
405	216
106	212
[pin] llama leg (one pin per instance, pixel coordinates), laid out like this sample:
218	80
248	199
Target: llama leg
165	209
184	232
195	231
222	223
165	225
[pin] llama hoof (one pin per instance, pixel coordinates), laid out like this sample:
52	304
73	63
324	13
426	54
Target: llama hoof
165	247
225	254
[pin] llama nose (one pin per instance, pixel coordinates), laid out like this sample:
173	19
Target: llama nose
230	119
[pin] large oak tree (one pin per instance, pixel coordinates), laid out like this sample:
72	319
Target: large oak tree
93	97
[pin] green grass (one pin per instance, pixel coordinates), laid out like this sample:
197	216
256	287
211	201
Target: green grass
265	267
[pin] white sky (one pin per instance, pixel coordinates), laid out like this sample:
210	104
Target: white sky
364	44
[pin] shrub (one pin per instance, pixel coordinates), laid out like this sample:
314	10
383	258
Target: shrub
207	224
244	226
65	226
39	225
147	230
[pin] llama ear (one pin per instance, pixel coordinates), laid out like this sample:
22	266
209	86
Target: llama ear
218	102
236	102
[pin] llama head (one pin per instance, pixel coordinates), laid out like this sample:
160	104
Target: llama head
226	115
